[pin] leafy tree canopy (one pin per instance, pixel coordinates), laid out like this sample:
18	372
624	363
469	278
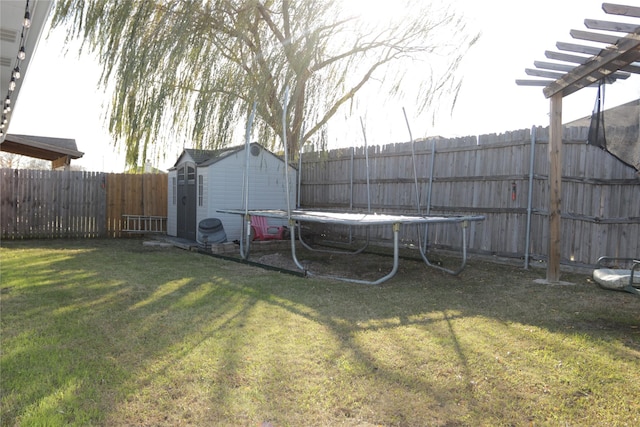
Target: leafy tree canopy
191	70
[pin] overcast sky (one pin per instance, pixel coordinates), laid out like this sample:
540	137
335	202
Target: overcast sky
59	96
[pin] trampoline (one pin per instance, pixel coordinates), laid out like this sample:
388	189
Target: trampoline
297	216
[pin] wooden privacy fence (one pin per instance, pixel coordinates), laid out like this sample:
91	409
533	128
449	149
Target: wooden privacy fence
50	204
503	177
76	204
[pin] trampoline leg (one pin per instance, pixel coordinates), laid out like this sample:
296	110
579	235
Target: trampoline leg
334	251
630	287
245	239
292	228
394	269
457	271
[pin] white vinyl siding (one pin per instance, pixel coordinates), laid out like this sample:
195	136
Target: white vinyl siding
267	188
222	183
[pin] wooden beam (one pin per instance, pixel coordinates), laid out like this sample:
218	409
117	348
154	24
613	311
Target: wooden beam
578	48
635	69
618	9
60	162
594	37
610	61
566	57
524	82
620	27
543	73
553	66
581	60
555	188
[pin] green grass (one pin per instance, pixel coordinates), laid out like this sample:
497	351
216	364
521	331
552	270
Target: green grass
109	332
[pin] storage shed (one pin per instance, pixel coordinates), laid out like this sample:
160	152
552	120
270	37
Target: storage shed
203	181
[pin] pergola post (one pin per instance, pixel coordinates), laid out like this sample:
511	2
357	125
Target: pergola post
555	187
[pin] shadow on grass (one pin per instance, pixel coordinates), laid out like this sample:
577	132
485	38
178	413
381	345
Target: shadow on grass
108	332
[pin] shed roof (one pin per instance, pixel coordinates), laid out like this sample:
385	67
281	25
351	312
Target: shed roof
208	157
205	156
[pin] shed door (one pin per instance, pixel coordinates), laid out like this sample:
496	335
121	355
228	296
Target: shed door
187	202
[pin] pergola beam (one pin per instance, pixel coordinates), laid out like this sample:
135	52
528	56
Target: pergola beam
620	27
594	69
559	56
578	48
619	9
631	68
542	73
553	66
594	37
536	82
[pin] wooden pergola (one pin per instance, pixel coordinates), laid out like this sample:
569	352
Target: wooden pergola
618	59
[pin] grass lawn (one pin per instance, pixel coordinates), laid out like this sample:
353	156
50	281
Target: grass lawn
111	332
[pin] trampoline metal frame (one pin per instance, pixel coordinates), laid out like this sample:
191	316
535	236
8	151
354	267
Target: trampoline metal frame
297	216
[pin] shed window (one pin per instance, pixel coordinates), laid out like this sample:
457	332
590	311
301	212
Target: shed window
174	190
200	190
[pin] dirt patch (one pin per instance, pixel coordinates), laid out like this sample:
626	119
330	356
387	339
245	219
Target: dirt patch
363	266
279	260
